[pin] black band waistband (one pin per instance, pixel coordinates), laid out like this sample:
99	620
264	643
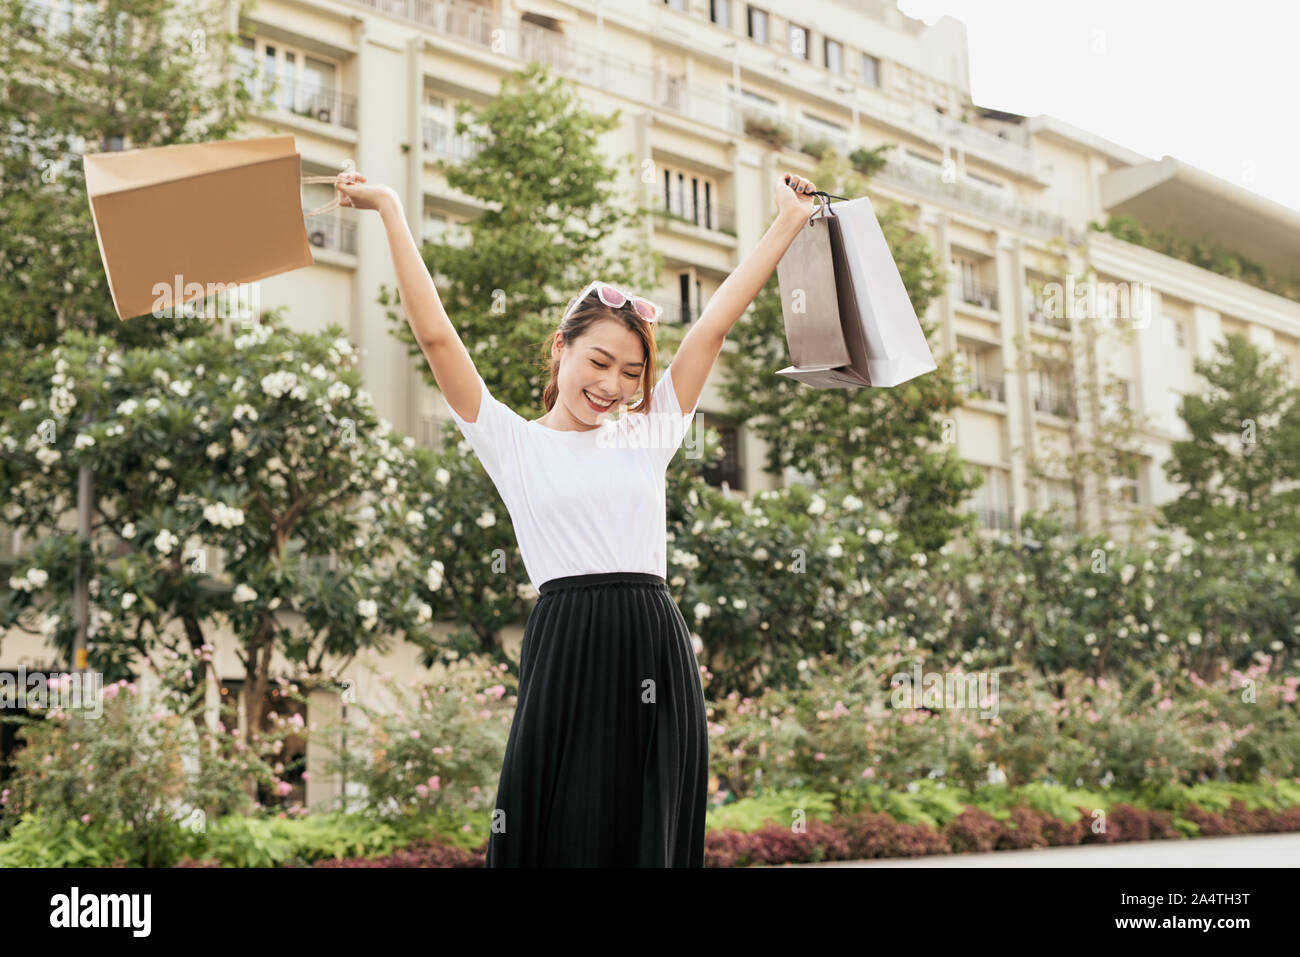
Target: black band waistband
601	578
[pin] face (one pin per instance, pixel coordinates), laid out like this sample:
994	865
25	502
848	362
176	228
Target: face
606	362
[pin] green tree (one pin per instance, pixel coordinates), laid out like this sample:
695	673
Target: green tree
1241	462
262	448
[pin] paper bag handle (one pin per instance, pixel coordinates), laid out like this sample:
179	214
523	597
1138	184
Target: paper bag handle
332	204
824	207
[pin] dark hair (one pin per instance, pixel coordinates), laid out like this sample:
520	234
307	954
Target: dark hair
590	311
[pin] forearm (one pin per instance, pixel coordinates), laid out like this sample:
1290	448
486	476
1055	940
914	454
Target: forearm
424	311
739	289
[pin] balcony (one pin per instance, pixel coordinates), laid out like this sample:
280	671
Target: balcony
323	104
712	216
977	292
332	231
964	195
442	140
995	519
1054	401
1039	317
988	388
678	312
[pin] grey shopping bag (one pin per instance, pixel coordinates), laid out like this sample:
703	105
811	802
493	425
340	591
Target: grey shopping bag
848	320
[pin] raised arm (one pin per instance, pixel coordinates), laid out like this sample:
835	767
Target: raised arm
452	366
702	343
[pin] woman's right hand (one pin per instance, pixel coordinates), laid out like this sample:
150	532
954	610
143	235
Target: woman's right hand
359	196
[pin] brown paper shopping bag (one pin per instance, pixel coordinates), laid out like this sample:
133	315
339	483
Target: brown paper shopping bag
848	320
176	223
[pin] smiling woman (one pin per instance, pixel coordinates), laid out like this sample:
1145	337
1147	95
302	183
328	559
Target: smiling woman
607	759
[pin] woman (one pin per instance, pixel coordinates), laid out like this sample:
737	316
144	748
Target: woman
606	763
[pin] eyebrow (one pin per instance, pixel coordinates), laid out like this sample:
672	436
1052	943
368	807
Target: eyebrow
612	359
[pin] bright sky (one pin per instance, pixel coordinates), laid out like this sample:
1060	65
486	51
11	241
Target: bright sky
1209	83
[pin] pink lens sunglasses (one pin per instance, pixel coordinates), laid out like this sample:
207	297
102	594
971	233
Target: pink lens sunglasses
615	299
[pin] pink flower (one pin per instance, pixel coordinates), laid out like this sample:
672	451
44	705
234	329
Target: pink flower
868	772
434	783
422	790
474	789
415	734
306	775
283	788
1288	696
497	691
1093	717
1164	704
85	819
466	828
4	796
296	720
819	756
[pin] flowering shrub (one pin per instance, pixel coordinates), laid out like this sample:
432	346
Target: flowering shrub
135	778
436	746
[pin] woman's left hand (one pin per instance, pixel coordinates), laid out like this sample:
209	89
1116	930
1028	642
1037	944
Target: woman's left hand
794	195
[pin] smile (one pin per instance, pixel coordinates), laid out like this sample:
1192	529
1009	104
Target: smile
599	405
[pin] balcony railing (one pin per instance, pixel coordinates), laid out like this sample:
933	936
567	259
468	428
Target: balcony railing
978	293
311	100
441	139
997	519
712	215
677	312
1054	401
332	231
1038	317
985	387
1002	207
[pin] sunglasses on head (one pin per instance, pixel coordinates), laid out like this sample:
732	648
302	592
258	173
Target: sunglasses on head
616	299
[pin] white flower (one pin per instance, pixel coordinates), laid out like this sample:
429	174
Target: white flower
874	536
1090	592
244	411
182	387
83	441
852	503
817	506
835	550
244	593
1194	638
367	608
1089	638
919	558
415	518
224	515
165	541
434	577
760	554
128	530
337	391
1126	573
856	627
128	599
702	610
442	476
486	520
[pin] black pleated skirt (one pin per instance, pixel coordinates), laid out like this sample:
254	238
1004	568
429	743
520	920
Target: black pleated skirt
607	759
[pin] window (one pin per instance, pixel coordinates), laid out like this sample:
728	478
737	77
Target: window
799	41
834	56
1177	333
870	70
757	25
728	469
720	13
303	83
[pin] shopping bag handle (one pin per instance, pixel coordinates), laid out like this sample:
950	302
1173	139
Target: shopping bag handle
824	207
332	204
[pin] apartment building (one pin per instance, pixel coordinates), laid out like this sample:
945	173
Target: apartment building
724	95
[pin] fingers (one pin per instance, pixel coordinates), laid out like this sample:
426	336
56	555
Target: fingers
799	184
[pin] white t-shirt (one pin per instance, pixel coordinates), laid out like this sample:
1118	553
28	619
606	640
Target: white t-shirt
583	502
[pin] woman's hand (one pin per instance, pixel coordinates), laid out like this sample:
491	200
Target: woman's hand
362	197
794	196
